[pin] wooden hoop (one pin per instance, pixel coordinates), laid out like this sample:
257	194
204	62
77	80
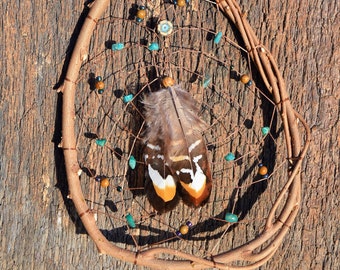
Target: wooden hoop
275	229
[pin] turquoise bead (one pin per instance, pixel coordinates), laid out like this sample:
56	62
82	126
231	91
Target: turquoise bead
230	217
218	38
153	46
99	78
229	157
127	98
132	162
130	221
101	142
206	82
117	46
265	130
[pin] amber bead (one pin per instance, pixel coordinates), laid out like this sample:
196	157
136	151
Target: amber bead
184	229
105	182
141	13
181	3
168	81
263	170
100	85
245	79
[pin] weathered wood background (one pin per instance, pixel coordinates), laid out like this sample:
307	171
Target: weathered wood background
37	230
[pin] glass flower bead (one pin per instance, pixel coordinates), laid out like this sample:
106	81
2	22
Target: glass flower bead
165	28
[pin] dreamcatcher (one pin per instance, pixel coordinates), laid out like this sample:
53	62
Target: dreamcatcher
173	135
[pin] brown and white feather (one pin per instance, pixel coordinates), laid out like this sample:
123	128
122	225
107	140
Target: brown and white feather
175	148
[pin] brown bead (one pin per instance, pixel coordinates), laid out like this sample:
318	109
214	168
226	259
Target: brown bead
100	85
245	79
104	182
263	170
168	81
141	13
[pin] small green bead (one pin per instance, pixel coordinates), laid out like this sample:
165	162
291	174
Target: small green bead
218	38
206	82
127	98
119	189
130	221
229	157
117	46
101	142
153	46
265	130
100	91
132	162
230	217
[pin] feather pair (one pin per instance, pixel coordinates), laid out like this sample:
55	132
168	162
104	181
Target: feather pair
175	152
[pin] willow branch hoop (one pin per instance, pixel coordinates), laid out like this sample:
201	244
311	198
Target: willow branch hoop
255	252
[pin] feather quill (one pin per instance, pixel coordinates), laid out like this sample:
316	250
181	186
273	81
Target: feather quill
175	152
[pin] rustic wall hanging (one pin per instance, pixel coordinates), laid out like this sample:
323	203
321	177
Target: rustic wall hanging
175	129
